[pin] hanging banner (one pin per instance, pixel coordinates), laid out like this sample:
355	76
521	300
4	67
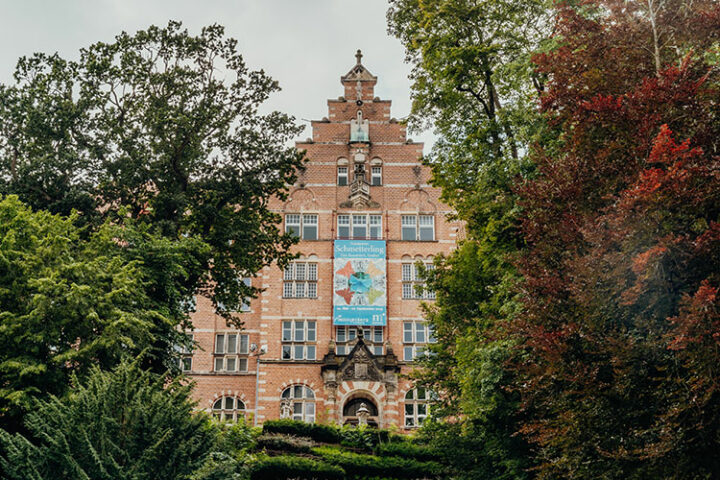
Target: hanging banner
360	283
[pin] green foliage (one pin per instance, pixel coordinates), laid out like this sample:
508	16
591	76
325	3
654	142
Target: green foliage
285	443
161	127
361	466
405	449
286	467
362	436
68	303
315	431
123	424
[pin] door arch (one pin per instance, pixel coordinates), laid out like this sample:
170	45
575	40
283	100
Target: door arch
353	403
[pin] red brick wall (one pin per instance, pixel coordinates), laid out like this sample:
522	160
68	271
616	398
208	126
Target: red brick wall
405	189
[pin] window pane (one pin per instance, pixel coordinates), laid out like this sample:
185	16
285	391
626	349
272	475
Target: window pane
220	344
289	272
375	226
408	234
298	391
299	331
310	352
408	332
409	409
431	334
286	352
378	350
376	175
292	224
229	403
378	336
420	393
310	231
287	332
288	290
297	408
352	333
408	227
309	393
310	331
232	343
420	333
312	271
299	352
219	361
243	344
299	271
312	290
359	226
341	335
341	350
407	272
242	364
300	290
186	364
427	227
286	392
218	404
230	363
408	354
342	176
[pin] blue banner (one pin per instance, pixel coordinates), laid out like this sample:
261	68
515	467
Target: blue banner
360	283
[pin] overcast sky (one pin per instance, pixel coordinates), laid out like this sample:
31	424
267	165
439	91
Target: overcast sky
304	44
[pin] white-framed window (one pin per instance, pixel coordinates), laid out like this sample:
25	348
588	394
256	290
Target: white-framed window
342	176
416	336
228	409
413	282
376	176
299	339
304	225
417	406
373	337
417	227
359	226
184	356
300	280
302	402
245	306
231	350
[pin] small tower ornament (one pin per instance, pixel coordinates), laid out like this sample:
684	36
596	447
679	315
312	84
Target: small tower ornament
363	413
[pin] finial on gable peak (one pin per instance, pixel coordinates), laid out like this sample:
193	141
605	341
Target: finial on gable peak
358	56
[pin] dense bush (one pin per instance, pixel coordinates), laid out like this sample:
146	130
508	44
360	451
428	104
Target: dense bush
285	467
363	437
319	433
365	466
285	443
408	450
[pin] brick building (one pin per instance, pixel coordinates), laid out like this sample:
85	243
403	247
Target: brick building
339	326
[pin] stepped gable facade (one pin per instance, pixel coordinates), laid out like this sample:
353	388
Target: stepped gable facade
336	330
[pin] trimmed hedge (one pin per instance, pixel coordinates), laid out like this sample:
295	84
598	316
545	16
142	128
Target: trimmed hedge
319	433
285	443
286	467
408	450
364	466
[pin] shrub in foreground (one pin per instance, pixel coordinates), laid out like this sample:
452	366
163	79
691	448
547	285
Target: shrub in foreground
319	433
297	468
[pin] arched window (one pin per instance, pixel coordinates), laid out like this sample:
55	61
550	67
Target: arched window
376	172
228	408
301	402
417	406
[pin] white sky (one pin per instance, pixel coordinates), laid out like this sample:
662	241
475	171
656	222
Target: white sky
304	44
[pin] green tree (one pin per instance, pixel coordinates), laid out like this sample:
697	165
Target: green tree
162	127
124	424
475	83
69	301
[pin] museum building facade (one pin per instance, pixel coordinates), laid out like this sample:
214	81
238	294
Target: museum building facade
340	326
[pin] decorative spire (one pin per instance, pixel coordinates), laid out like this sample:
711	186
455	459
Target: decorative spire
358	56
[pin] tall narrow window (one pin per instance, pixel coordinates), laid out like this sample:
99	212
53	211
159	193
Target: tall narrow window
375	226
427	228
376	176
310	227
417	406
292	224
245	307
342	178
409	227
343	226
359	226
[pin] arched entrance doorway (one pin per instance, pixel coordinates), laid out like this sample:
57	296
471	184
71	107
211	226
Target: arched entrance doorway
353	404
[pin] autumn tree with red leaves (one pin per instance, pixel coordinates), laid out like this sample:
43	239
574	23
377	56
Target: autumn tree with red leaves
620	327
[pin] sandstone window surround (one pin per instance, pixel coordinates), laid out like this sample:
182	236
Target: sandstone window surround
303	225
298	402
228	409
300	280
231	350
299	340
416	228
